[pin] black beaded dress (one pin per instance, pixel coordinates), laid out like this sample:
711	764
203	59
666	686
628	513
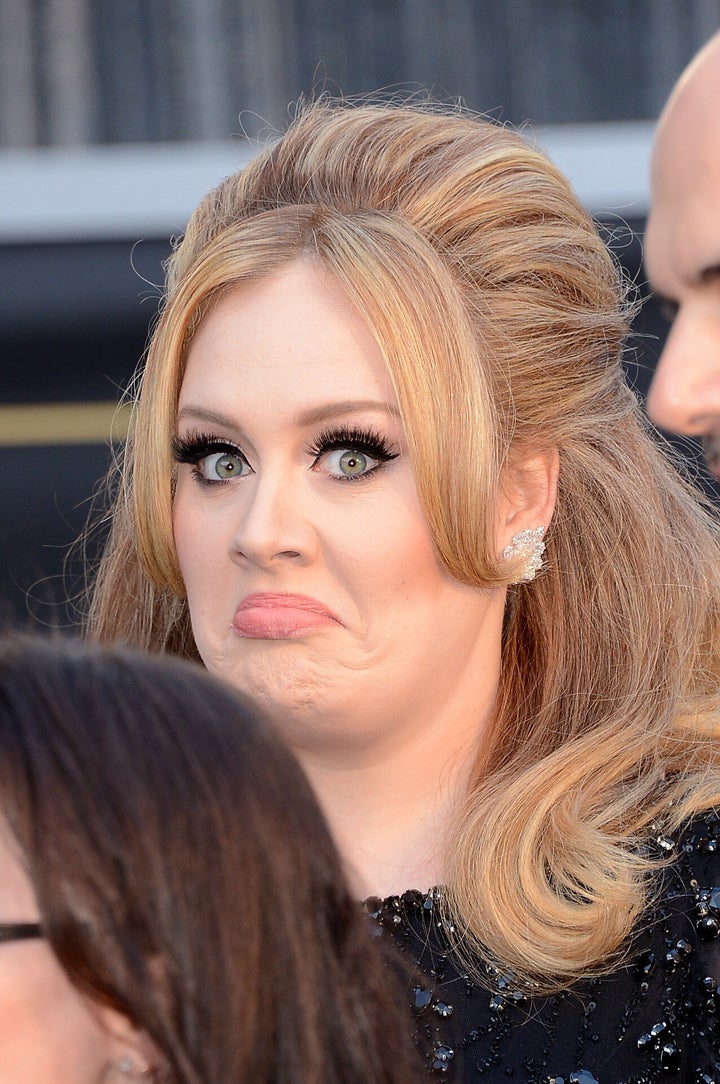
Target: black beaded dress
656	1018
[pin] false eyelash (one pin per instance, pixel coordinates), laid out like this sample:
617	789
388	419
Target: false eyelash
360	439
195	446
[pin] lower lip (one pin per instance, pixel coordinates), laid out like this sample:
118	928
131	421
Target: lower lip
278	622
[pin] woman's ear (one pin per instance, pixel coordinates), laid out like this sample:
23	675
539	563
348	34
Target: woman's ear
132	1054
528	496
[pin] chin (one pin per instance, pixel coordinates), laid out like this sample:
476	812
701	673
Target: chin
282	686
297	690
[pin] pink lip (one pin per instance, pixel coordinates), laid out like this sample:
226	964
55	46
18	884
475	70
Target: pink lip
272	616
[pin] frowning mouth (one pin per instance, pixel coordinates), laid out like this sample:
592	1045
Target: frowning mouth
276	616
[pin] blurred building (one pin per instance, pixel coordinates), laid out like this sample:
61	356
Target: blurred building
116	115
107	71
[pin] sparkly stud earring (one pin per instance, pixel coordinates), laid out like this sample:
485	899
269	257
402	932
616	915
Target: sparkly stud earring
528	544
127	1067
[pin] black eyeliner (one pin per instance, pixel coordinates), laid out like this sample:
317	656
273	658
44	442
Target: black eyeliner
195	446
354	438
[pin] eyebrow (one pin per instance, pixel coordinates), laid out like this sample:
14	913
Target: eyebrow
349	406
312	416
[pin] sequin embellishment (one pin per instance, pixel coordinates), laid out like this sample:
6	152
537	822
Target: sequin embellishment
654	1019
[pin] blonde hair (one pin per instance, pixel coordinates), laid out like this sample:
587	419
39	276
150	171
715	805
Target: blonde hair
502	317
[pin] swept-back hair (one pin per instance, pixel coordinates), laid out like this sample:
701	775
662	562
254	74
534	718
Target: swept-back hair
184	873
501	316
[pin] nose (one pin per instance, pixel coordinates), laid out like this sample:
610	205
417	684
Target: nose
273	524
684	396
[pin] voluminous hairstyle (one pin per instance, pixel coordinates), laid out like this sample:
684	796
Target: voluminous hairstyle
501	316
184	873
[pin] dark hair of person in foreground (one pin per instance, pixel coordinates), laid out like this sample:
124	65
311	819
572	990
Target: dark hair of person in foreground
184	875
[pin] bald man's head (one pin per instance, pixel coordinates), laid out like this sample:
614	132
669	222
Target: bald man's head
682	253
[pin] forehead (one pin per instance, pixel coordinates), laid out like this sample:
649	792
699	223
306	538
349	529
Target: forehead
683	232
294	335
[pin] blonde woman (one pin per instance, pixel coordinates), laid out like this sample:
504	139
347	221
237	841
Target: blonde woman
386	477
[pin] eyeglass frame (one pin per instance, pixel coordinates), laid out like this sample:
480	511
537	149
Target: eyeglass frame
20	931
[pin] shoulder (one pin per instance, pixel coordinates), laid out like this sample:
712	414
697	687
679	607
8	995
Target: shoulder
679	948
690	883
653	1016
686	899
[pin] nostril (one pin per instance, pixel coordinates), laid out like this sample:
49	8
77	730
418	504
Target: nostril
673	403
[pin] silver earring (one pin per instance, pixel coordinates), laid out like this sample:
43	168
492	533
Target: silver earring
127	1067
529	545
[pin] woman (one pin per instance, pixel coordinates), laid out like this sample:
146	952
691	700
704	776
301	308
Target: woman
384	390
171	905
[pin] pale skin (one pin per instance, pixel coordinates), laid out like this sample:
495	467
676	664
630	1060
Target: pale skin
49	1031
384	701
682	254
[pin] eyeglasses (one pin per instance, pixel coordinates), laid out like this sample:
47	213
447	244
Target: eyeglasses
20	931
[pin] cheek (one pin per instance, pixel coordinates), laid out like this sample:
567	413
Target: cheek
185	551
184	514
48	1030
408	544
196	539
396	558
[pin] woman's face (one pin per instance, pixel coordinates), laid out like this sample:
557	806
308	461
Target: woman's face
311	576
49	1031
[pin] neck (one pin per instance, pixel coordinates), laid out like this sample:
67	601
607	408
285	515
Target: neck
389	806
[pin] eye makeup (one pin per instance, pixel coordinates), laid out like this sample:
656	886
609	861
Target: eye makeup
195	446
359	444
198	449
365	451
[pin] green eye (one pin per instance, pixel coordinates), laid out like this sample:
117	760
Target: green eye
227	466
350	454
351	463
222	466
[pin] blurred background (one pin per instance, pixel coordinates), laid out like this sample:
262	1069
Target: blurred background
117	115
